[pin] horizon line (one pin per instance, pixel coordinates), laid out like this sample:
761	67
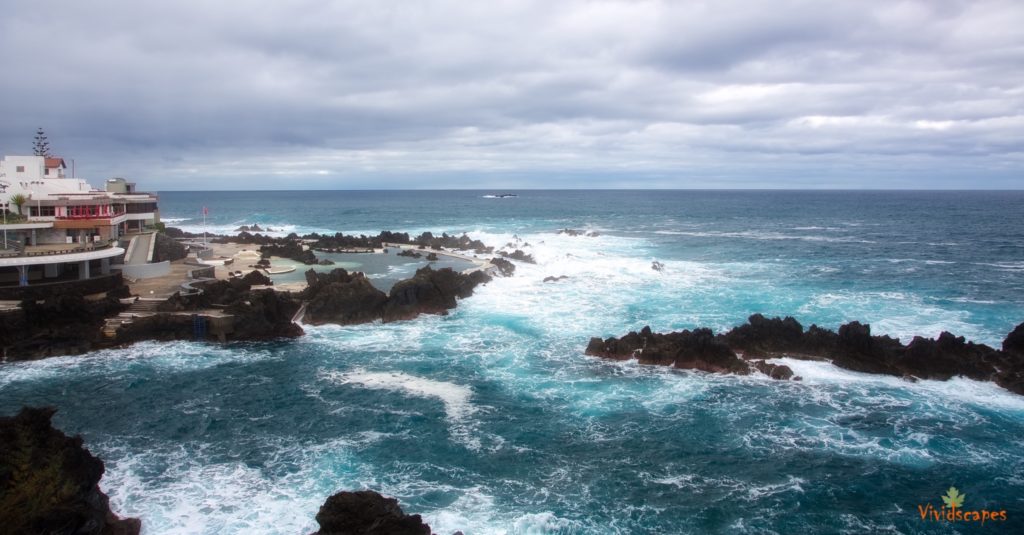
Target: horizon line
502	190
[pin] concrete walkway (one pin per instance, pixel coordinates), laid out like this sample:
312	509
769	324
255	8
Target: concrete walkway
140	249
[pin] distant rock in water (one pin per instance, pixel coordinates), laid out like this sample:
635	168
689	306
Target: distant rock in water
518	254
852	348
366	512
574	232
551	278
409	253
49	483
657	266
432	257
505	268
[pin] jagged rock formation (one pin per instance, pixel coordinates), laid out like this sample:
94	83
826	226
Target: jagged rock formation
366	512
348	298
852	347
291	249
342	298
64	324
49	483
696	350
505	268
167	249
430	291
518	254
574	232
258	314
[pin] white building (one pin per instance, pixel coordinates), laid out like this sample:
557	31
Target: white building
64	227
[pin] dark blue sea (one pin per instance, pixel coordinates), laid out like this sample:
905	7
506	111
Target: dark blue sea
492	420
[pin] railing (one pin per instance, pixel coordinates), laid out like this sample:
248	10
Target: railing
74	248
77	217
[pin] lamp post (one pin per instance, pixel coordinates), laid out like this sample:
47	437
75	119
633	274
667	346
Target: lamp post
5	225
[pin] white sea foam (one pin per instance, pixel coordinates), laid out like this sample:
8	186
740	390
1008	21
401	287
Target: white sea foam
956	390
763	235
189	495
456	398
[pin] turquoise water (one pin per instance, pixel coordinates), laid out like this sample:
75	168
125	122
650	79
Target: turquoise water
491	420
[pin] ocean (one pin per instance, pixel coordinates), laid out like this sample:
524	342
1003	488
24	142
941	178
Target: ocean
492	420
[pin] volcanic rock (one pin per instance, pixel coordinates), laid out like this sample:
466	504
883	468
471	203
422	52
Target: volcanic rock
49	483
430	291
366	512
518	254
342	298
505	268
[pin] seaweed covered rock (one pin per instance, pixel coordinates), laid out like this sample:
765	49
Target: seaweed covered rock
366	512
49	483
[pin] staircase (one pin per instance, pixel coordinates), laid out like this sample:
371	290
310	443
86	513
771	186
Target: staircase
139	307
145	306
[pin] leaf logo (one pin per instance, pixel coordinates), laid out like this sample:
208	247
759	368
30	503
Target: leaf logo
953	498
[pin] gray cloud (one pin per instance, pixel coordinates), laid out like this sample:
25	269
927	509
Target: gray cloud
314	94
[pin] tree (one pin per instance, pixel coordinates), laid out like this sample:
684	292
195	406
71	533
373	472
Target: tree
41	147
19	199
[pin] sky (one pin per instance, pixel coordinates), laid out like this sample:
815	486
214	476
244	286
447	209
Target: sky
316	94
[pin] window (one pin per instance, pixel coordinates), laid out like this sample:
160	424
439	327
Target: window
20	168
37	211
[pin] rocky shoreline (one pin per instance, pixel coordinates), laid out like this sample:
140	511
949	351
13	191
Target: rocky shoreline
244	308
49	483
745	348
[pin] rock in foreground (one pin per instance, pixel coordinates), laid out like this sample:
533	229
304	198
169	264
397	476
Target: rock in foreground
49	483
366	513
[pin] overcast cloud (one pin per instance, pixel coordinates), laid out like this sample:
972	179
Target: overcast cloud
458	94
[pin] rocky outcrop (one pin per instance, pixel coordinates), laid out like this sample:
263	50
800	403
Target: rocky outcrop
63	324
366	512
291	249
696	350
349	298
409	253
49	483
342	298
257	314
552	278
518	254
168	249
775	371
574	232
853	347
430	291
505	268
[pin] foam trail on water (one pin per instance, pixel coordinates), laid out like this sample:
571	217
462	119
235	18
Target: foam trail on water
455	397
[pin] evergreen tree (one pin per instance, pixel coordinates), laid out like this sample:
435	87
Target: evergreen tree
41	147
